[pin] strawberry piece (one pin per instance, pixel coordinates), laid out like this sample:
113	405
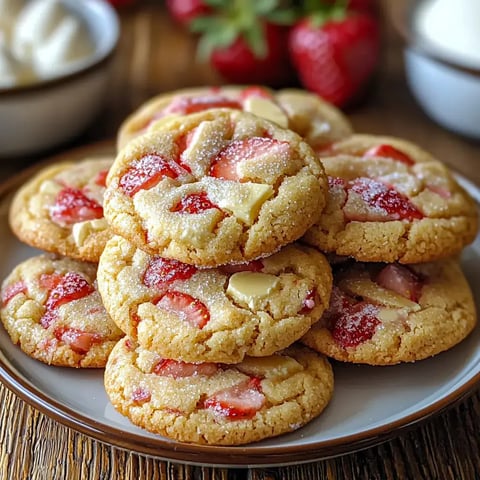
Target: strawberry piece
48	318
49	281
441	191
184	11
194	203
140	396
355	324
162	271
224	165
384	202
129	345
72	206
187	105
12	291
188	308
78	340
253	266
146	172
401	280
101	178
72	287
308	302
336	58
179	369
387	151
255	91
242	401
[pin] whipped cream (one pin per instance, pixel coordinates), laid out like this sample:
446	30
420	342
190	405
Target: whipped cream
452	28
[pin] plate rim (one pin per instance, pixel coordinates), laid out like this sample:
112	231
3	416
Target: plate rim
242	456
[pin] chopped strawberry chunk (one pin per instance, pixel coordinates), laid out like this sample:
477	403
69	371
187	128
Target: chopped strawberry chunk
384	202
129	344
146	172
48	318
49	281
12	291
253	266
73	206
162	271
224	165
101	178
194	203
72	287
355	324
78	340
255	91
188	308
179	369
401	280
335	182
186	105
308	302
140	396
242	401
441	191
387	151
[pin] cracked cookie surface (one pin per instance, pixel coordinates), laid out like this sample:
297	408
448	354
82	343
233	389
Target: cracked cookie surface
383	314
220	314
389	201
60	209
216	404
319	122
216	187
52	310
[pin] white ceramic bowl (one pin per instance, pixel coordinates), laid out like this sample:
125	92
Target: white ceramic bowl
47	113
447	90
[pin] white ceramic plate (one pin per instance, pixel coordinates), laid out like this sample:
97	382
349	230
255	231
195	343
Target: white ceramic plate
370	404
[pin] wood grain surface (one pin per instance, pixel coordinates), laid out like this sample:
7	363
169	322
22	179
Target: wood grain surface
155	56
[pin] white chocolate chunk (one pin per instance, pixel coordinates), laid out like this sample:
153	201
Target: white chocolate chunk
81	230
51	187
369	290
244	200
246	287
267	109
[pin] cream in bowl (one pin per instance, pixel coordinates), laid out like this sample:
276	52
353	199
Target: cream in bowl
54	57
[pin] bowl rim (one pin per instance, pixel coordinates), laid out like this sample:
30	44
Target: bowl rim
401	15
98	59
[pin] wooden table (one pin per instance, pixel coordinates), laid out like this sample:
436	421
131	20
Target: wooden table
154	55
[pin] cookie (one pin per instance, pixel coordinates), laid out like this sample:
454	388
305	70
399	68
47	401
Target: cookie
52	310
216	404
383	314
60	209
390	201
215	315
217	187
303	112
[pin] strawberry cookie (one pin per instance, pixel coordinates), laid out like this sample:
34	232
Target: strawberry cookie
216	187
221	314
60	209
305	113
218	404
383	314
389	201
52	310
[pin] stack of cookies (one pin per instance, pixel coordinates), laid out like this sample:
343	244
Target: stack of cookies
216	230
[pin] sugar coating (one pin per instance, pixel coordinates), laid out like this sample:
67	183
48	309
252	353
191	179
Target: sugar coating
443	316
22	314
236	327
30	218
319	122
297	384
357	225
214	237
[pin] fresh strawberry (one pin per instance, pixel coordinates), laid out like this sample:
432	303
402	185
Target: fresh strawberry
387	151
72	287
184	11
335	52
78	340
186	307
246	42
101	178
194	203
178	369
121	3
401	280
366	6
140	396
162	271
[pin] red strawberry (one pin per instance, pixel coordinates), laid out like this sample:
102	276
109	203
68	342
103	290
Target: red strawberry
335	57
401	280
12	291
194	203
186	307
179	369
72	287
246	42
186	105
239	402
162	271
78	340
101	178
387	151
72	206
184	11
121	3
